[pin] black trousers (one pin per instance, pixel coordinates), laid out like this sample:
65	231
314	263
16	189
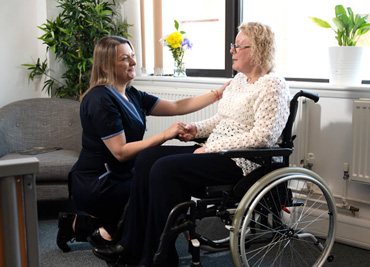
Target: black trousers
105	199
164	177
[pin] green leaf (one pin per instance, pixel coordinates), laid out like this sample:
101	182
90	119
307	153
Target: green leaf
43	29
346	22
339	10
28	65
364	29
351	15
340	25
63	42
320	22
176	25
358	22
74	56
106	13
63	30
53	48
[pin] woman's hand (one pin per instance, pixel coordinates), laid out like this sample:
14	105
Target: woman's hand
174	131
190	130
200	150
223	87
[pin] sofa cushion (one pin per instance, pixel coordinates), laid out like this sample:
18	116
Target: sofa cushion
40	122
54	166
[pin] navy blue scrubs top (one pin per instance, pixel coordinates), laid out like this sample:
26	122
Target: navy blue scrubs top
105	113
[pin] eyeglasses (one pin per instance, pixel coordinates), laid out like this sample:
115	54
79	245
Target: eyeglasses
235	47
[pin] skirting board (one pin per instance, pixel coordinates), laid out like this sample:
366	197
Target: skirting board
354	231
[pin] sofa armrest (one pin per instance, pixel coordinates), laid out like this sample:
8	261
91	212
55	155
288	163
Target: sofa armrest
3	144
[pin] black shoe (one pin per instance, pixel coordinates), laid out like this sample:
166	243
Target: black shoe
97	241
114	254
65	232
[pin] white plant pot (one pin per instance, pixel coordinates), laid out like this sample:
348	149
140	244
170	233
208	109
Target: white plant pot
345	65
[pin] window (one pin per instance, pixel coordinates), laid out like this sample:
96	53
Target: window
302	46
210	25
206	30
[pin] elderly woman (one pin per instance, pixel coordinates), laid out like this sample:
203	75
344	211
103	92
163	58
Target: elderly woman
113	117
252	113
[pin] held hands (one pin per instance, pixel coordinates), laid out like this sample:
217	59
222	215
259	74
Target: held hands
190	130
184	132
174	131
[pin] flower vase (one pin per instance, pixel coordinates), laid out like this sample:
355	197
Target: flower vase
179	69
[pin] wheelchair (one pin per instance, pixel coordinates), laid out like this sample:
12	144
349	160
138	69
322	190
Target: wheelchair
276	216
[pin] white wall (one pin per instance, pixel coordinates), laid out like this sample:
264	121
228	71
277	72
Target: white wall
18	26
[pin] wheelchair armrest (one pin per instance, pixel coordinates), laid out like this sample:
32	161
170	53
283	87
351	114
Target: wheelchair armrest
256	152
199	140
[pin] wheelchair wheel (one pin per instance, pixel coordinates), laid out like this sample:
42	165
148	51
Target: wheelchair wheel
286	219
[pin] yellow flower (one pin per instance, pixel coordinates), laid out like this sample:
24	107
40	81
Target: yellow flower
174	39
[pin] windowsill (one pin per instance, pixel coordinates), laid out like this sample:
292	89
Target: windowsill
184	80
328	86
162	80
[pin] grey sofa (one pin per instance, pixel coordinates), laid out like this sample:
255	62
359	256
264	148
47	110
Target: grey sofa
49	123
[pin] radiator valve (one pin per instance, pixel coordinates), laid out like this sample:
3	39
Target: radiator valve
354	210
310	160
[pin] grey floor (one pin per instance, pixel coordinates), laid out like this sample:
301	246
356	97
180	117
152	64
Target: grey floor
81	254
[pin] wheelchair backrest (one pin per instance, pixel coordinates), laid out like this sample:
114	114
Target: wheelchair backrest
287	138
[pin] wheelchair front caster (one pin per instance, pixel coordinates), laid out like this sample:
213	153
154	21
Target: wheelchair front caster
330	258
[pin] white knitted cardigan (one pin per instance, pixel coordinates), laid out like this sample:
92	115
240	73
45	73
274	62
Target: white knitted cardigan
249	115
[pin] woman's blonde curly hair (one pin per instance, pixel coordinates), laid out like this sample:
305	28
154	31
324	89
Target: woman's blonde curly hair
262	42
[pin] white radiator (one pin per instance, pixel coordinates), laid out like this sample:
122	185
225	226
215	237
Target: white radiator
360	169
158	124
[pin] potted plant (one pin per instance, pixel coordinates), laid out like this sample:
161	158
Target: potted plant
345	59
72	37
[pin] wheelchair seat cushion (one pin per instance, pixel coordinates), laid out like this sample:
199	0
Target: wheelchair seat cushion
237	190
217	190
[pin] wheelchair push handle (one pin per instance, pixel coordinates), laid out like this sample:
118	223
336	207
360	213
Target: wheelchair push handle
313	96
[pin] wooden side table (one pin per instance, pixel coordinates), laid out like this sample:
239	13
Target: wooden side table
18	213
